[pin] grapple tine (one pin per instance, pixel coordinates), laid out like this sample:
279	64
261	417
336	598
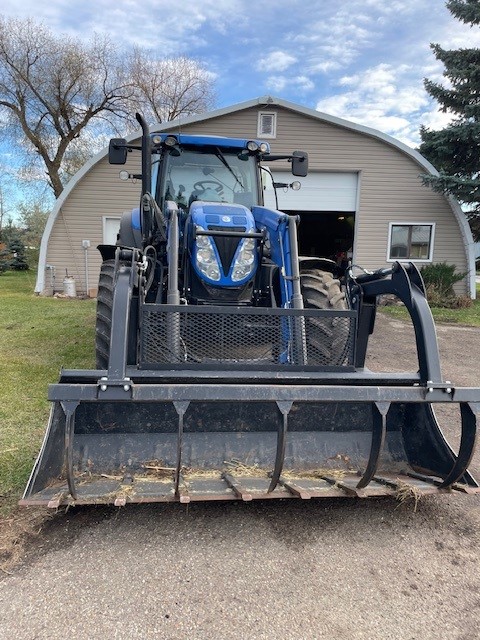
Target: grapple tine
379	429
180	408
69	408
284	408
469	412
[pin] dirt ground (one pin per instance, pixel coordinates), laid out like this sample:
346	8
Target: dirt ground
353	569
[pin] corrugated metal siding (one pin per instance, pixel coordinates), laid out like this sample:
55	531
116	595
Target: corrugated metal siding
390	190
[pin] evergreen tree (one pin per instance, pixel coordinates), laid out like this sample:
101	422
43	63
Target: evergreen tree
455	150
4	258
19	259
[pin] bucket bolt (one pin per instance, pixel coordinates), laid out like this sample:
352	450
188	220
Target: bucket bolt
105	383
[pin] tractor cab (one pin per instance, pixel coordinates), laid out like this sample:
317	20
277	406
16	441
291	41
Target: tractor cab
188	173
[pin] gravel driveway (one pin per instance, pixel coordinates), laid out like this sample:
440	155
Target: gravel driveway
328	569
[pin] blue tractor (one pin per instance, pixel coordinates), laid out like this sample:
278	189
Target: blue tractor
207	239
231	368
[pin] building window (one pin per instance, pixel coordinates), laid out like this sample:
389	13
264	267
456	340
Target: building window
411	241
267	124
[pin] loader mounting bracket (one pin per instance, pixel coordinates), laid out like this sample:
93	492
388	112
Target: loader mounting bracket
110	389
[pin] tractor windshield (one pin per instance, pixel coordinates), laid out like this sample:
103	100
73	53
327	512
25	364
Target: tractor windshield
213	176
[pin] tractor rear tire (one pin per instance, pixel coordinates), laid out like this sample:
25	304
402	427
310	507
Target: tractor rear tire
327	338
103	327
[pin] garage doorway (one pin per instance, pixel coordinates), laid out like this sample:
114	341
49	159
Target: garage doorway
325	234
326	205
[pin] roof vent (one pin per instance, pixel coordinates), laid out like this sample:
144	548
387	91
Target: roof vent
267	124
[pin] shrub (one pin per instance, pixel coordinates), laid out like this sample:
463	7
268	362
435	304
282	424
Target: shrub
463	302
439	280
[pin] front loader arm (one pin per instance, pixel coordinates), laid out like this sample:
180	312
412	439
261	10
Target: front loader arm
282	235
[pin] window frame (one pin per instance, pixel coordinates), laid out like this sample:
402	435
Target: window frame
411	224
267	136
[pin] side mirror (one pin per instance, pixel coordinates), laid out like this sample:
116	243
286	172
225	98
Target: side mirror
117	151
300	164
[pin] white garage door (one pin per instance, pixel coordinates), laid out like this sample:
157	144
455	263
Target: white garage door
320	191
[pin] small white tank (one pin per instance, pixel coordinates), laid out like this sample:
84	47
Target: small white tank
69	287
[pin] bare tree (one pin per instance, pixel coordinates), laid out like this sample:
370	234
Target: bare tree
52	87
62	98
167	88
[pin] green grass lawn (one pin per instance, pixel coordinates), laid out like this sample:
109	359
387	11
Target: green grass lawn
469	316
37	337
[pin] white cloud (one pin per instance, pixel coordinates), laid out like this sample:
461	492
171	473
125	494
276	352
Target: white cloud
304	83
276	61
435	119
301	84
456	35
276	83
386	98
393	6
334	43
166	26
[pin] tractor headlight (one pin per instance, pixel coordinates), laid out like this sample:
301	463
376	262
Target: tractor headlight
245	260
253	146
206	259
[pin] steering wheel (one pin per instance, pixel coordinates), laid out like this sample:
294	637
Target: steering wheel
203	185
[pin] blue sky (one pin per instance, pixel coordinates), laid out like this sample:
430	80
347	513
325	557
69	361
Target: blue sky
363	60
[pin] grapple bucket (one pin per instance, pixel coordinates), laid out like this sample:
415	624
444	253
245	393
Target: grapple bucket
254	422
171	443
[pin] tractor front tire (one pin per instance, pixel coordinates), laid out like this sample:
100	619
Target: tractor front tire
103	326
328	338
